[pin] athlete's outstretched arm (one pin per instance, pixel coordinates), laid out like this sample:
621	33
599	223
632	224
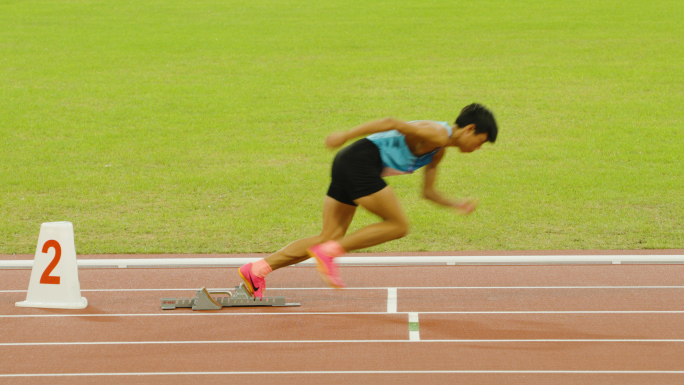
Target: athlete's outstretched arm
431	133
463	206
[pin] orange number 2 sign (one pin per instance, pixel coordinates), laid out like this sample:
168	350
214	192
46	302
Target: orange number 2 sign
46	277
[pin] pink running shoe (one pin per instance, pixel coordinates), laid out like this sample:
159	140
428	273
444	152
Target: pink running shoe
327	268
254	284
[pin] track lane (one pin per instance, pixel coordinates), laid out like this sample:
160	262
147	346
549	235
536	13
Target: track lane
531	299
367	378
354	356
384	356
149	302
377	276
550	326
264	328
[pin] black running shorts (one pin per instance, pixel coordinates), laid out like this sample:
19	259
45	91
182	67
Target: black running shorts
356	172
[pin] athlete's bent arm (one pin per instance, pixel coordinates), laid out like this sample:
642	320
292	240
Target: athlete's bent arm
465	206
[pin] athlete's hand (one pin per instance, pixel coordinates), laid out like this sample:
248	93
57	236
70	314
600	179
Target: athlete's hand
335	140
465	206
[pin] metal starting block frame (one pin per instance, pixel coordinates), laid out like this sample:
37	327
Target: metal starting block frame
204	300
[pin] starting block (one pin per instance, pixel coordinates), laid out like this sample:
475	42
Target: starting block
206	299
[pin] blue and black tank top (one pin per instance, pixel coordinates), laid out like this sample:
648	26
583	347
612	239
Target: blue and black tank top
397	158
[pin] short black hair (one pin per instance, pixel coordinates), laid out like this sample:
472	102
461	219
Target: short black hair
481	117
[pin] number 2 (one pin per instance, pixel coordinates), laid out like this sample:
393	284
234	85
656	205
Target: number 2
46	277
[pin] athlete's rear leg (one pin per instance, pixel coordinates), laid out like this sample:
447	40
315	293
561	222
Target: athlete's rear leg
337	217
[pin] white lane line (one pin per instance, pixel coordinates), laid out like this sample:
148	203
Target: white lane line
365	260
398	287
15	344
225	313
414	330
392	300
356	372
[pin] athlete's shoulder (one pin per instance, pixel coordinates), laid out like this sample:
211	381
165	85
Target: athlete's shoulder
432	124
435	131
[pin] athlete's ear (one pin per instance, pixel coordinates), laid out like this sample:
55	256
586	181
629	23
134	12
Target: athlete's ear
470	128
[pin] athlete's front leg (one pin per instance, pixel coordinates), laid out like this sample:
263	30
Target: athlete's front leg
394	225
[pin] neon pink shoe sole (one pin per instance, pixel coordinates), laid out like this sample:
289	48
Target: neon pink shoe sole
255	285
326	267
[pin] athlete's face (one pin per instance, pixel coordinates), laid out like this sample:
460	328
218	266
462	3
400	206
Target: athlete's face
470	141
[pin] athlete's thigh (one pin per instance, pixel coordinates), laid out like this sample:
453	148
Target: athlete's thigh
337	217
383	204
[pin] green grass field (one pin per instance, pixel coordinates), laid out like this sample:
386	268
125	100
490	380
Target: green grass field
197	127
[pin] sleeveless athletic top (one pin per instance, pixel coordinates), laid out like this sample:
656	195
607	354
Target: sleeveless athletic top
397	158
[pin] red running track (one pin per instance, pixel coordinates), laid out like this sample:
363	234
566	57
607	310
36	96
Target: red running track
598	324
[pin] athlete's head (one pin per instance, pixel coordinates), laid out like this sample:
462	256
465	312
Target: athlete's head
479	125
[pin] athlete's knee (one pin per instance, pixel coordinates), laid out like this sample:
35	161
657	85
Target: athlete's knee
400	228
403	230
